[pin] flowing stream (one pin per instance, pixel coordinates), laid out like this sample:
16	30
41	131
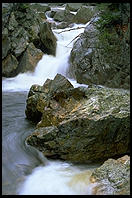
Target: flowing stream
25	171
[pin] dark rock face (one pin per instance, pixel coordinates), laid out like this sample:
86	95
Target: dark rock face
9	65
48	39
113	177
96	60
84	124
24	37
30	58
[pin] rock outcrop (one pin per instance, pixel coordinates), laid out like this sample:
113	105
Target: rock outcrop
74	7
63	16
79	124
84	14
24	36
113	177
100	58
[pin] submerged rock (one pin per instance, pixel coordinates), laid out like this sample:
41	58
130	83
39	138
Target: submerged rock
93	124
113	177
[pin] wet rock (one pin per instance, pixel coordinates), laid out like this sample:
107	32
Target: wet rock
19	36
96	60
41	99
63	16
63	25
5	43
9	66
40	7
23	27
93	123
48	38
31	111
30	59
113	177
84	14
73	6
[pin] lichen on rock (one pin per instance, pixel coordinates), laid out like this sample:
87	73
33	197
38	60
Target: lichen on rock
93	123
113	177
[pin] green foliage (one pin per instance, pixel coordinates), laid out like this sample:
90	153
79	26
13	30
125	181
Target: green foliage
112	17
109	15
21	6
112	14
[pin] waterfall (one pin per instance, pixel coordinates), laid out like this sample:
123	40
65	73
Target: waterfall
58	178
55	177
49	65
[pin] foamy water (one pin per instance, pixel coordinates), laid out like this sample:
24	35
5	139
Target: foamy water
48	66
58	178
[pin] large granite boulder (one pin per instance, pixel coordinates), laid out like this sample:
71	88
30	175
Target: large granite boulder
79	124
30	58
41	97
48	39
23	29
40	7
63	15
74	6
100	58
112	178
84	14
9	66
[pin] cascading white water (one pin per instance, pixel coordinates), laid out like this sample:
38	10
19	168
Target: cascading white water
48	66
56	177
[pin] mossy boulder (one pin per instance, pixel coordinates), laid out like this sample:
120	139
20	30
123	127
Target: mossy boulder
113	177
93	124
101	58
9	66
63	16
23	27
30	58
5	43
40	7
74	6
84	14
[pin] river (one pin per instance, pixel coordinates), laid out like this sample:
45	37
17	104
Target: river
25	171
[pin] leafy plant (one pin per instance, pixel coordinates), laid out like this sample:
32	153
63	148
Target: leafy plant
21	6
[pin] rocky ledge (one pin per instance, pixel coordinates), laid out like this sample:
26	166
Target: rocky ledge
25	38
101	58
79	124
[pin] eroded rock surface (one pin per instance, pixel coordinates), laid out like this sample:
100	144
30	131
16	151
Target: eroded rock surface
113	177
82	124
25	38
102	58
